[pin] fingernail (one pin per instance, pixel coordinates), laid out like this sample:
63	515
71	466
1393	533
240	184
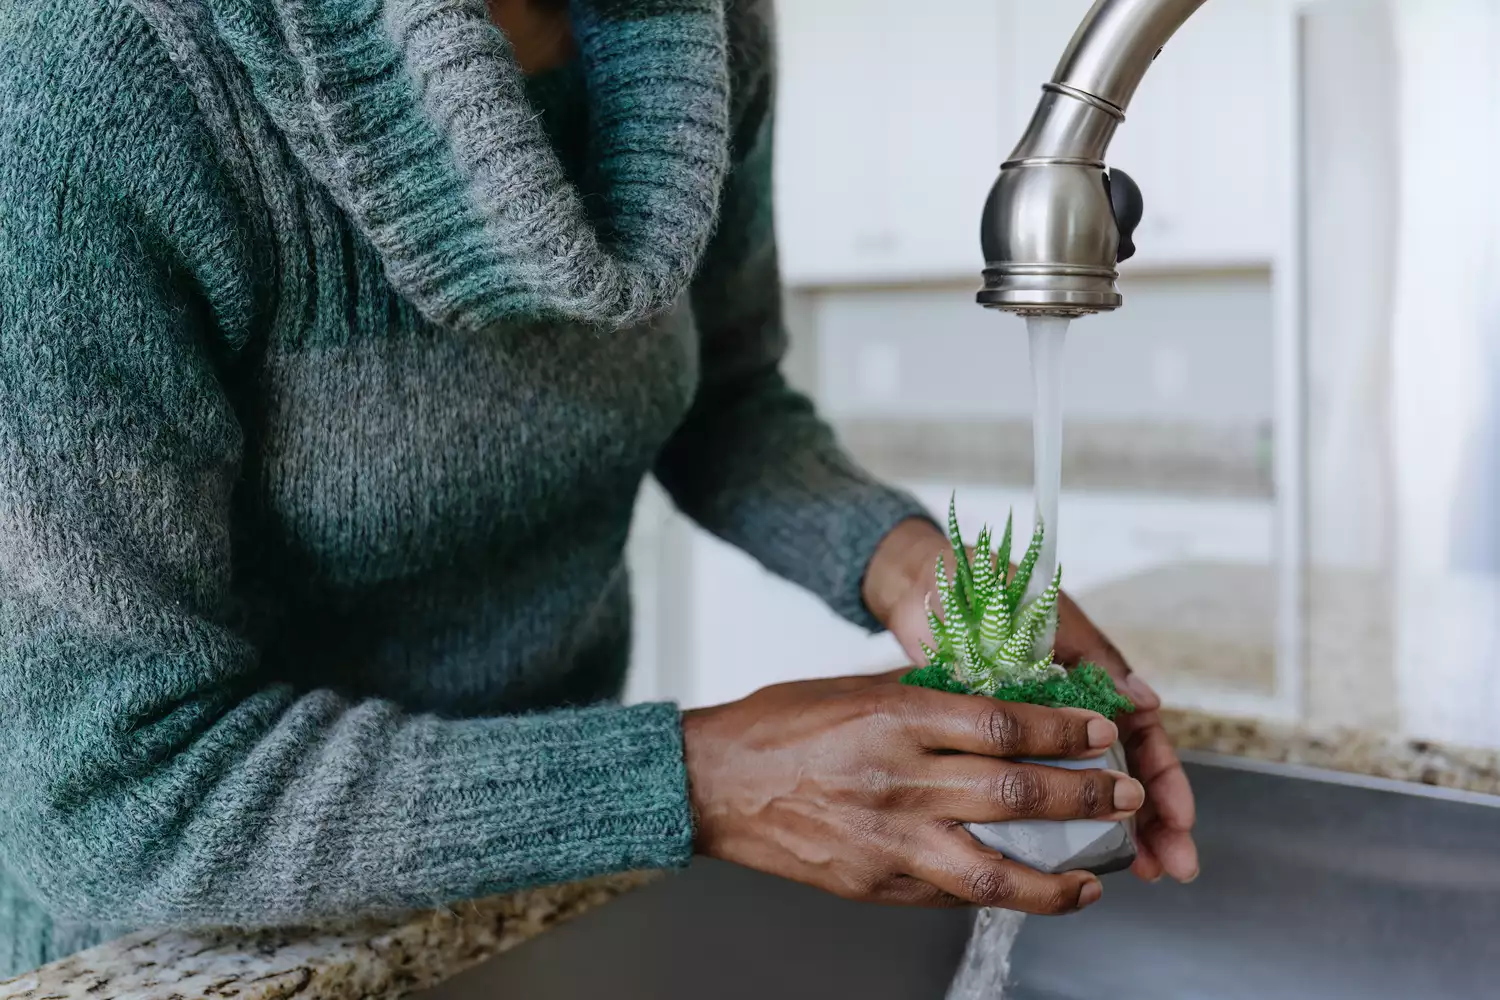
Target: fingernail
1193	877
1130	794
1140	692
1102	733
1090	894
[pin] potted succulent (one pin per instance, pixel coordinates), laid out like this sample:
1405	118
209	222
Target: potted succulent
987	644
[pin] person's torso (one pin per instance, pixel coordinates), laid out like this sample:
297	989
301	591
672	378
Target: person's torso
435	516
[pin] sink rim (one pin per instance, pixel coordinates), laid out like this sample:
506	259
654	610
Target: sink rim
1303	772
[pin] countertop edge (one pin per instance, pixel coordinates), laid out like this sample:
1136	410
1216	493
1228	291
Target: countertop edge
378	958
1352	751
400	955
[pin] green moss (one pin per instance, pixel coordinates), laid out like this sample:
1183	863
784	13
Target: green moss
1087	687
936	677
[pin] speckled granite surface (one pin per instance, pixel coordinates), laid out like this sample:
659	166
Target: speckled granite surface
375	959
396	957
1339	749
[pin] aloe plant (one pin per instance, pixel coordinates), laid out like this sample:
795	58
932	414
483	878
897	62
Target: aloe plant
987	634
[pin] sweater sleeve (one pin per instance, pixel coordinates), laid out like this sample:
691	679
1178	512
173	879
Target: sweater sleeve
753	462
153	772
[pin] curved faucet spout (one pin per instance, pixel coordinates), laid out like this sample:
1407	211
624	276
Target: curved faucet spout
1052	228
1115	44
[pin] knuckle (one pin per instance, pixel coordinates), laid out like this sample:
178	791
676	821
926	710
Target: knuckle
883	788
1001	731
988	885
1073	737
1020	791
1093	794
884	715
863	884
1060	898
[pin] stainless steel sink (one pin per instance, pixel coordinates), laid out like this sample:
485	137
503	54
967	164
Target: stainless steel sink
1314	886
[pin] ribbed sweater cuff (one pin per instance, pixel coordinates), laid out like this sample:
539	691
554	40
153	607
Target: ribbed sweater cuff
852	520
490	805
813	517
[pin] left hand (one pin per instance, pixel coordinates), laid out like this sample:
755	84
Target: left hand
896	587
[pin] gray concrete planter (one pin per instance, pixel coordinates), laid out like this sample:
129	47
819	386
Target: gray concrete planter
1053	846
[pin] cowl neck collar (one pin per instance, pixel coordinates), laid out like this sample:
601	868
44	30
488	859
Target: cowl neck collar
414	115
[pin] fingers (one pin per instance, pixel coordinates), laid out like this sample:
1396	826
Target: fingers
1146	866
979	725
1163	849
960	866
974	789
1164	824
1079	640
1155	763
1174	849
1142	695
905	890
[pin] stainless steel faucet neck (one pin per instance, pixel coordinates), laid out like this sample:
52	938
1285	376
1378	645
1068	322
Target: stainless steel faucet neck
1115	45
1056	223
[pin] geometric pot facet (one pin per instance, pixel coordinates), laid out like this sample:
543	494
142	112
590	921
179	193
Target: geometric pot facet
1054	846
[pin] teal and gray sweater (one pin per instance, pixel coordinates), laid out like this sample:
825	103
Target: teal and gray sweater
333	354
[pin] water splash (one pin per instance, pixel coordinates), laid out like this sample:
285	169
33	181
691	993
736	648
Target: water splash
985	967
1047	335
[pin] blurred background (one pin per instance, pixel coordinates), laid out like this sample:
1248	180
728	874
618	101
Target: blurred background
1281	457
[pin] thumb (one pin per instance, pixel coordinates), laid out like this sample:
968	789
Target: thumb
909	625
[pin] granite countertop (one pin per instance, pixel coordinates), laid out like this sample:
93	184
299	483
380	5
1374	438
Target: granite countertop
1339	748
371	959
398	956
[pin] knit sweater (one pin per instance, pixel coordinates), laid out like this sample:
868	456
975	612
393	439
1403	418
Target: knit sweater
333	355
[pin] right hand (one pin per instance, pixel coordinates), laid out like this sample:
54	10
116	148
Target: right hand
860	786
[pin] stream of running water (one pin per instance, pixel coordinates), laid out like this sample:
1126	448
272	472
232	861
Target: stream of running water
986	963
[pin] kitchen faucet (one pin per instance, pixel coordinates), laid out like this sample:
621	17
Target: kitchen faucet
1057	220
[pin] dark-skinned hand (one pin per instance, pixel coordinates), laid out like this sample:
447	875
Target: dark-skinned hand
861	786
897	585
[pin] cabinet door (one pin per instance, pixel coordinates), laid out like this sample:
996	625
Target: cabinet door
1225	71
1203	134
888	138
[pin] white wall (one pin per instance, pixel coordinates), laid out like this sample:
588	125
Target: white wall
1448	265
1445	364
1351	169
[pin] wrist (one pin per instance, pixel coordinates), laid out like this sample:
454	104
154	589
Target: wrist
902	560
699	752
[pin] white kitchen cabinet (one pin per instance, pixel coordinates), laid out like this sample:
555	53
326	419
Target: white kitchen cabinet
1203	133
893	121
1192	348
889	136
